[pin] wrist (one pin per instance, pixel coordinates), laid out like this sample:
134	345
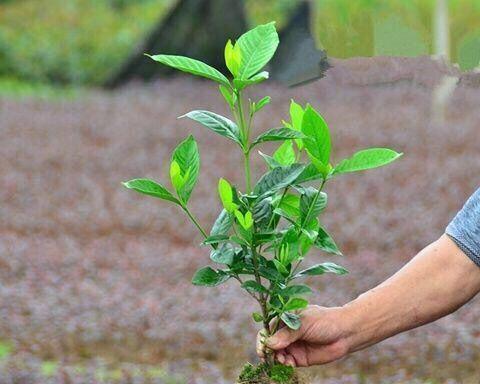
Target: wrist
351	322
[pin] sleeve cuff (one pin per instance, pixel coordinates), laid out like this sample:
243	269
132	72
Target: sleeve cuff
461	244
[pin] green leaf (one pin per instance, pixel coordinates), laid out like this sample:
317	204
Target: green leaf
223	254
195	67
278	178
228	95
252	286
296	290
214	239
216	123
295	303
257	317
151	188
281	268
246	221
318	142
262	212
240	84
271	162
262	103
312	202
321	269
188	159
278	134
285	154
367	159
233	57
310	173
296	115
291	320
226	195
326	243
257	47
290	204
208	277
222	224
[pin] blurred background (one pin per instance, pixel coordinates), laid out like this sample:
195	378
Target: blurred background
95	280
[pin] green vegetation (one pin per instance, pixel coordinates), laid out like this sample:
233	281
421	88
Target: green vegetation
262	235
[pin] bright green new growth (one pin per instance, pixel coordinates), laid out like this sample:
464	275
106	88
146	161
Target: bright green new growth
264	233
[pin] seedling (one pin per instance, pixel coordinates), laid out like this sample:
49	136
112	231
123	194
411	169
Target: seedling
264	231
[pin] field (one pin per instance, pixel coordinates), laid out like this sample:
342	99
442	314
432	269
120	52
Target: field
95	279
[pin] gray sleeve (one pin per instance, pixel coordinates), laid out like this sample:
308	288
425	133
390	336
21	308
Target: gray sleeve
464	229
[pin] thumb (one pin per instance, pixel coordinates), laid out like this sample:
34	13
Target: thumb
283	338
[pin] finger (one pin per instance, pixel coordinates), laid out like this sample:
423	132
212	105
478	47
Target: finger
290	361
260	345
283	338
280	357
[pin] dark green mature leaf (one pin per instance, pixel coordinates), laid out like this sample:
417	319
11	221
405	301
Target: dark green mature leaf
262	212
278	178
223	254
216	123
271	162
312	202
310	173
151	188
208	277
321	269
278	134
257	47
222	224
195	67
367	159
253	287
326	243
187	157
295	303
318	143
291	320
215	239
296	290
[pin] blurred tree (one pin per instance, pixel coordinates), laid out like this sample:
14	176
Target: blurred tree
194	28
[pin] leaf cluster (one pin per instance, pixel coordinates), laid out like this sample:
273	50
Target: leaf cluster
264	232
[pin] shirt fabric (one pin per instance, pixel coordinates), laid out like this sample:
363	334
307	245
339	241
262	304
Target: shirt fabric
464	229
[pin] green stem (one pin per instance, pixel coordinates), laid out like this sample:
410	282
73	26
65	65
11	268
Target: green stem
246	164
194	221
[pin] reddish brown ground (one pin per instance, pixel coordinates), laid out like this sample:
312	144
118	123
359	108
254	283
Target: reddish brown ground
89	270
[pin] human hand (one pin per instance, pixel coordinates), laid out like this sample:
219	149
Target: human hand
322	338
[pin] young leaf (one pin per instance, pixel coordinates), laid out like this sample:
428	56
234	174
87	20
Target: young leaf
239	84
295	303
291	320
208	277
187	158
175	176
253	287
281	268
277	179
233	57
216	123
290	204
257	47
326	243
222	224
223	254
228	95
296	116
262	103
367	159
226	195
257	317
151	188
310	173
277	134
195	67
318	142
321	269
246	221
285	154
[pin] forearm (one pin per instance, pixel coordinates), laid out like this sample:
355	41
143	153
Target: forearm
436	282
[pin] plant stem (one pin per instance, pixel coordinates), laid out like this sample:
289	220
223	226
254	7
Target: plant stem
245	130
246	164
194	221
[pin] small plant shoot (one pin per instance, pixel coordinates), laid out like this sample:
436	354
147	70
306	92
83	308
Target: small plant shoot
266	228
